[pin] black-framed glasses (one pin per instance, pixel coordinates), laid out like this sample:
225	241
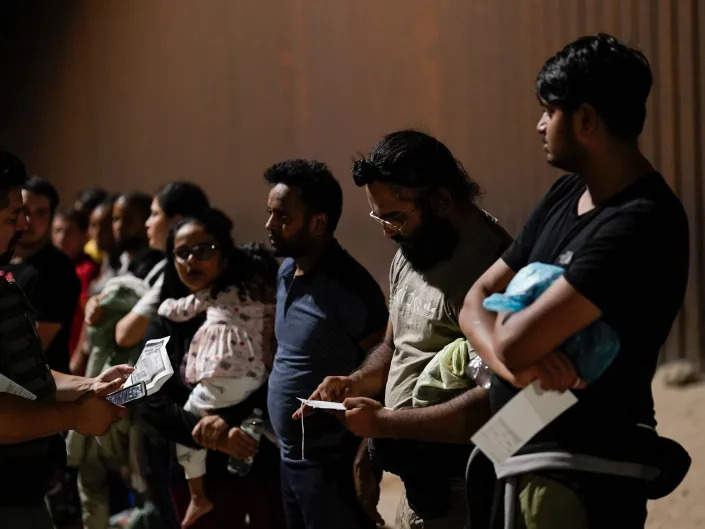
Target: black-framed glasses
200	252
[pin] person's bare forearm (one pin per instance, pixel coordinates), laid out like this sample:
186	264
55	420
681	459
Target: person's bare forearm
454	421
371	377
70	387
478	326
23	419
130	330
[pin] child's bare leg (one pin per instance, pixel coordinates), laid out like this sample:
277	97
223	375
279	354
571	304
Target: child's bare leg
199	504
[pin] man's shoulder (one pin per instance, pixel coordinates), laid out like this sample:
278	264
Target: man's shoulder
351	275
51	258
651	202
287	267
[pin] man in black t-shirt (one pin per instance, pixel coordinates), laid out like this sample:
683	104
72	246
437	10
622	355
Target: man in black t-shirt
621	235
45	274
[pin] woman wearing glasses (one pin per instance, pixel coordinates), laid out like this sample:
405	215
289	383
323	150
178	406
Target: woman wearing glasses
224	361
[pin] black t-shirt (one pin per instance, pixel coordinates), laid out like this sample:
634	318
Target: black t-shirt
629	257
49	280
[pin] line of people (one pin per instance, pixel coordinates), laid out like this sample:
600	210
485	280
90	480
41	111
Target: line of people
247	333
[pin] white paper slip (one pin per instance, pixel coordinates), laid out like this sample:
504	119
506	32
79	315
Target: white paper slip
13	388
323	405
153	367
519	420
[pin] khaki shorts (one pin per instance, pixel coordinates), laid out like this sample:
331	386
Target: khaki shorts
548	504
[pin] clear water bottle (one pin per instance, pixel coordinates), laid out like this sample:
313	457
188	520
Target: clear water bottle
252	426
478	371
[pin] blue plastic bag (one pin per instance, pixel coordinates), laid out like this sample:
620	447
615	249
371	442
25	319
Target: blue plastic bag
591	350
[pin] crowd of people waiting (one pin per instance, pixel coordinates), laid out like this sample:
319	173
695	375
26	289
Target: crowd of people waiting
254	327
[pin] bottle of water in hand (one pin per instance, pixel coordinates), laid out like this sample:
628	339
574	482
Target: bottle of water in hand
252	426
478	371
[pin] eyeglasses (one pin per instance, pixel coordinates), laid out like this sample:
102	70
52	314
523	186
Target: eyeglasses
388	225
200	252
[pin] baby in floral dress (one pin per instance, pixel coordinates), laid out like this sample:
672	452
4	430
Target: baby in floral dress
227	358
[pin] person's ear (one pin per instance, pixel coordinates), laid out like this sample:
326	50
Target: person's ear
586	120
319	224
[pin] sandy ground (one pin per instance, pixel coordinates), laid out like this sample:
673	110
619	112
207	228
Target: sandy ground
681	416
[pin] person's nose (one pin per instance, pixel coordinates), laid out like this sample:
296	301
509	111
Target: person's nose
541	125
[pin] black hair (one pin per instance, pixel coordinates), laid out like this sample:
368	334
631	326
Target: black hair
77	216
320	191
600	71
140	202
412	158
247	267
181	198
13	175
90	198
43	188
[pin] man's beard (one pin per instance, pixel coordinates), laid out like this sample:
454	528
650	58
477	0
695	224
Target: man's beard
433	241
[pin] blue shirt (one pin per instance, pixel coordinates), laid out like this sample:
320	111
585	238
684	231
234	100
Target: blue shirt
321	317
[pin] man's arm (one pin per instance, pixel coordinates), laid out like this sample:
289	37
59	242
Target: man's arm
131	328
23	419
71	387
524	338
47	331
454	421
371	377
506	337
478	324
368	380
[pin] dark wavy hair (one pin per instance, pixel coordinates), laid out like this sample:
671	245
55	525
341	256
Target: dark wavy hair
411	158
251	268
604	73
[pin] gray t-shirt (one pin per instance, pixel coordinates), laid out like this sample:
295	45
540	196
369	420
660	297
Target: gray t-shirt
424	308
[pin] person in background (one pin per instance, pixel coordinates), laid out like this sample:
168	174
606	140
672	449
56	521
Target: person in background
100	230
31	451
86	201
172	202
330	311
46	275
140	226
70	234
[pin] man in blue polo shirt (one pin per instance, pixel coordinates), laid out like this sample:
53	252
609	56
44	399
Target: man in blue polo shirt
329	312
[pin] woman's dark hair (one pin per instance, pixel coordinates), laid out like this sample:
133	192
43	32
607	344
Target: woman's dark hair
182	198
90	198
411	158
76	216
251	268
604	73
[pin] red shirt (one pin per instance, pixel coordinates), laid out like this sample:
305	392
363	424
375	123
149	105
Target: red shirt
86	270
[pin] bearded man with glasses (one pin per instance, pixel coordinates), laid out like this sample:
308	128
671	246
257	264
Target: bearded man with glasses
426	203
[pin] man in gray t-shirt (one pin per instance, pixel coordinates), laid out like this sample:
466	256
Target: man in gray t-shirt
425	202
